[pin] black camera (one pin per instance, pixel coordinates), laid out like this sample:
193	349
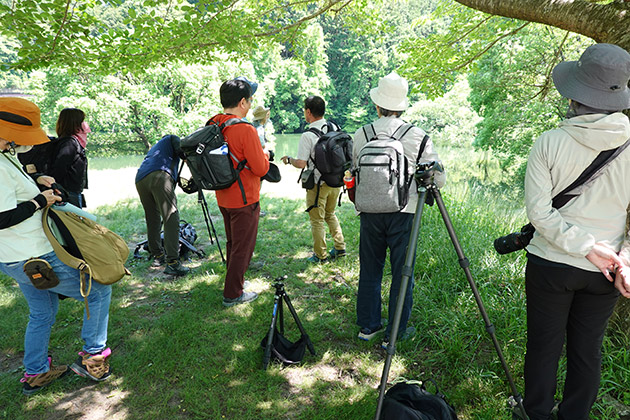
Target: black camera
271	155
60	191
425	172
515	240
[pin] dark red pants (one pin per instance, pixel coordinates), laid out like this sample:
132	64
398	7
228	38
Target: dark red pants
241	228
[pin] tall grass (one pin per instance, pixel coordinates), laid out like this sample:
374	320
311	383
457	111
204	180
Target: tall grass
177	353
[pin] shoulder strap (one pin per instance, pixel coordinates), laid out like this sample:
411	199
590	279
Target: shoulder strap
403	129
593	170
315	131
65	256
369	132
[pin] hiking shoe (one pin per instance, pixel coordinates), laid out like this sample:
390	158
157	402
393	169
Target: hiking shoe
33	383
93	366
175	268
336	253
243	298
367	334
157	260
409	333
315	259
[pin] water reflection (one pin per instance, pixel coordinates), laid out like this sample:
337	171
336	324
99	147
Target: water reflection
285	145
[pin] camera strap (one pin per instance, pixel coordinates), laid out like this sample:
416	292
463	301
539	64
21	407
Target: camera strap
593	170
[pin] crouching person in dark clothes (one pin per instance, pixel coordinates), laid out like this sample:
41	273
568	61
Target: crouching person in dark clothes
155	182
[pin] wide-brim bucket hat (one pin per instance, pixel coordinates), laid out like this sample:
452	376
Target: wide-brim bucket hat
391	93
599	79
20	122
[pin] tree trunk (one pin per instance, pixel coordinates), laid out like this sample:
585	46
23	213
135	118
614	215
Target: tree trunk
602	22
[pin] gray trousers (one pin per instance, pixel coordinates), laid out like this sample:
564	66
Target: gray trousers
157	195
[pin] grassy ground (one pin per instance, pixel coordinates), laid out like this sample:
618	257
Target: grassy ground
179	354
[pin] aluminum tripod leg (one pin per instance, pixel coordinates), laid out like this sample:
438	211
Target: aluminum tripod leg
407	271
516	399
201	199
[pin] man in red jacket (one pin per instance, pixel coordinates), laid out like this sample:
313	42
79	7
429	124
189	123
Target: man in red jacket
240	216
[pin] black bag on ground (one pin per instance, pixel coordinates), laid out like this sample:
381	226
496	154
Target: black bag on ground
209	158
411	401
285	351
187	238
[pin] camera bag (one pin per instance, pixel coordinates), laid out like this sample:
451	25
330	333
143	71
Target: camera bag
98	253
209	159
383	174
410	400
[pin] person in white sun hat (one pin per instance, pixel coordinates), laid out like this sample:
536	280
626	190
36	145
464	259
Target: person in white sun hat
383	229
571	284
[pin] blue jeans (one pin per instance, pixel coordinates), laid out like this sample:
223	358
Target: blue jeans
43	305
378	232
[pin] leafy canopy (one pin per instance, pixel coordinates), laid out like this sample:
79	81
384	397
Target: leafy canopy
112	35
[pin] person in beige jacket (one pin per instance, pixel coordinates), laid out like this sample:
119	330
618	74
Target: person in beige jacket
570	285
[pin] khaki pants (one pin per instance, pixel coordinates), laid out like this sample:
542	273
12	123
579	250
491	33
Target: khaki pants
322	215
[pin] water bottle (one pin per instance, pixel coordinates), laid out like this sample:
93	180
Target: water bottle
348	182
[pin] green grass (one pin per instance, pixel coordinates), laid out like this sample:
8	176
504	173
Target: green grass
178	354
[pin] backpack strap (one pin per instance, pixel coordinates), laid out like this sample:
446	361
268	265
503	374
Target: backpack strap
369	132
240	164
315	203
65	256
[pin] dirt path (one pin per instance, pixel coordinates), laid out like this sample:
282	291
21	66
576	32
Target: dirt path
112	185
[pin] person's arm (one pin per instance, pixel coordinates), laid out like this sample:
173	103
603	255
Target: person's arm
304	151
257	159
622	281
548	221
26	209
176	144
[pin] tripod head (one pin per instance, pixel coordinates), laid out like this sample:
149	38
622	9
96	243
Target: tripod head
278	283
425	173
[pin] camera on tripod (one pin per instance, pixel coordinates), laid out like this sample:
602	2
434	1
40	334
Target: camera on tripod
425	172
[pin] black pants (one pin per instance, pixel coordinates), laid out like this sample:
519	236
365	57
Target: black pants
576	303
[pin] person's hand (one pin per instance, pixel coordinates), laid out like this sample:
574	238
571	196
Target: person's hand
46	180
285	159
51	197
622	281
605	259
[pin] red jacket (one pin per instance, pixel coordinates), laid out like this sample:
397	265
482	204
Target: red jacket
244	143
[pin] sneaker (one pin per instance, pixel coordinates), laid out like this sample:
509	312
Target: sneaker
315	259
409	333
367	334
175	268
93	366
243	298
157	260
33	383
336	253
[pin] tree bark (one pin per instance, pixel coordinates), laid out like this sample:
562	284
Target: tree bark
602	22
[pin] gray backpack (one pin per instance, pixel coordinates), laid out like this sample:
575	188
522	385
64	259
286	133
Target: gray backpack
382	172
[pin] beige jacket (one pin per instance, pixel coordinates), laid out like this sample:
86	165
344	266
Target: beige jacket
598	214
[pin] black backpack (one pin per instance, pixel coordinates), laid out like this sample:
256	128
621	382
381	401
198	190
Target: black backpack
410	401
332	154
39	159
209	158
187	238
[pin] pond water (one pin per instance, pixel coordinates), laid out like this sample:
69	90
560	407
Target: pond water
285	145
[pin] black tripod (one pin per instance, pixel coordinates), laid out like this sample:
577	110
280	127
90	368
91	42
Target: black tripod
426	185
278	312
201	199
